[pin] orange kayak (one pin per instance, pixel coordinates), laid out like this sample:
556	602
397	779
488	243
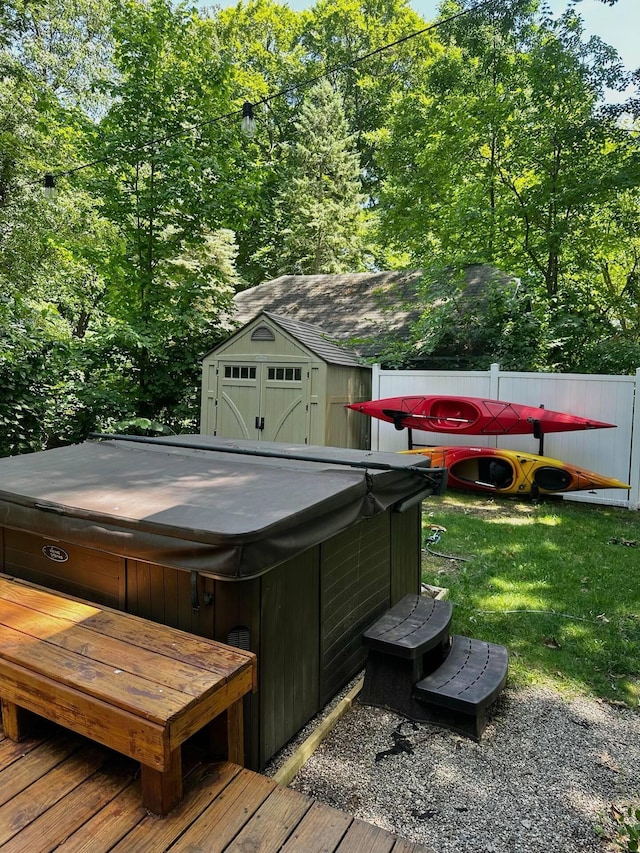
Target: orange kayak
510	472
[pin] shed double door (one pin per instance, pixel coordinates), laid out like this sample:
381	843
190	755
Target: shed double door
268	401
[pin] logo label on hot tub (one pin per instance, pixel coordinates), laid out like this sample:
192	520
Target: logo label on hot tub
53	552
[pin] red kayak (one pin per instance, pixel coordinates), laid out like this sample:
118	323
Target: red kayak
510	472
472	416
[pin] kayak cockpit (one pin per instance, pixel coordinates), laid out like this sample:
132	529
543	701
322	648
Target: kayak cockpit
491	473
452	414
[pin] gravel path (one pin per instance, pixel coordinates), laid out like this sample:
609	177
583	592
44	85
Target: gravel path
543	777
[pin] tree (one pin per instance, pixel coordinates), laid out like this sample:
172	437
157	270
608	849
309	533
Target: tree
165	187
338	34
320	209
47	277
261	43
503	156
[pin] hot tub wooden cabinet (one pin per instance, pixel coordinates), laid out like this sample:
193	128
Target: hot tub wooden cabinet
289	551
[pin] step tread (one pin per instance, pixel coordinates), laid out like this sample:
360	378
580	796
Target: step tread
411	627
471	677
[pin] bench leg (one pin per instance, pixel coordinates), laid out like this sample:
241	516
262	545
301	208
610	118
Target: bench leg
225	734
235	733
161	791
15	721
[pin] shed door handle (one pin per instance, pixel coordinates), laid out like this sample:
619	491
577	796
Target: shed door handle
259	422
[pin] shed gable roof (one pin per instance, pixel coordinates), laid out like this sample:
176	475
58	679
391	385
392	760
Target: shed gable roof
316	340
311	337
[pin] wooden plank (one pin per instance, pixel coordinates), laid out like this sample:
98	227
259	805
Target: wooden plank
198	715
108	826
225	734
73	811
30	803
171	642
39	599
15	721
127	733
187	678
153	834
11	751
363	837
230	812
35	764
319	831
143	739
273	823
117	687
235	732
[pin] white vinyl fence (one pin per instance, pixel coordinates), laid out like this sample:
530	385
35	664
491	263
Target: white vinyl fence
612	452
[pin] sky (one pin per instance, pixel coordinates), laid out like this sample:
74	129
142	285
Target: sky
618	25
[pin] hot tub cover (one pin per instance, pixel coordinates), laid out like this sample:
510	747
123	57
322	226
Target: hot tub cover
194	502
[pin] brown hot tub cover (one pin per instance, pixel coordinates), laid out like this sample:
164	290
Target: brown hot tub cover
200	503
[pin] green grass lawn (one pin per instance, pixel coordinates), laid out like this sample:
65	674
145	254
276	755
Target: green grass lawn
553	581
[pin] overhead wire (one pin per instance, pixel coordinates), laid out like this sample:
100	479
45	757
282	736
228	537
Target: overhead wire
333	69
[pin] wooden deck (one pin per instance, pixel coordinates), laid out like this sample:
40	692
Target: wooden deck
62	792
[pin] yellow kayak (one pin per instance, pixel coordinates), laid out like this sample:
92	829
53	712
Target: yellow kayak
510	472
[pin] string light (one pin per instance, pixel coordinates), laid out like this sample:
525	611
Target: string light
248	108
49	185
248	123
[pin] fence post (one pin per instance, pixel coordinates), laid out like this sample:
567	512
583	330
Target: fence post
634	470
374	427
494	382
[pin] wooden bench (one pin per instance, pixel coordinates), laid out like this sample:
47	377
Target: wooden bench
135	686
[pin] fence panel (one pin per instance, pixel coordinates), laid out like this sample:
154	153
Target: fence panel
612	399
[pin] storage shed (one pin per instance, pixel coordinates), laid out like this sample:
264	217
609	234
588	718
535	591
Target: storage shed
280	379
288	551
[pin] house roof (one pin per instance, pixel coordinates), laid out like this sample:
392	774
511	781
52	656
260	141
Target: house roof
353	309
363	311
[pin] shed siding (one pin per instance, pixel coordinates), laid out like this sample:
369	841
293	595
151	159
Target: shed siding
241	345
354	590
317	413
344	427
229	408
